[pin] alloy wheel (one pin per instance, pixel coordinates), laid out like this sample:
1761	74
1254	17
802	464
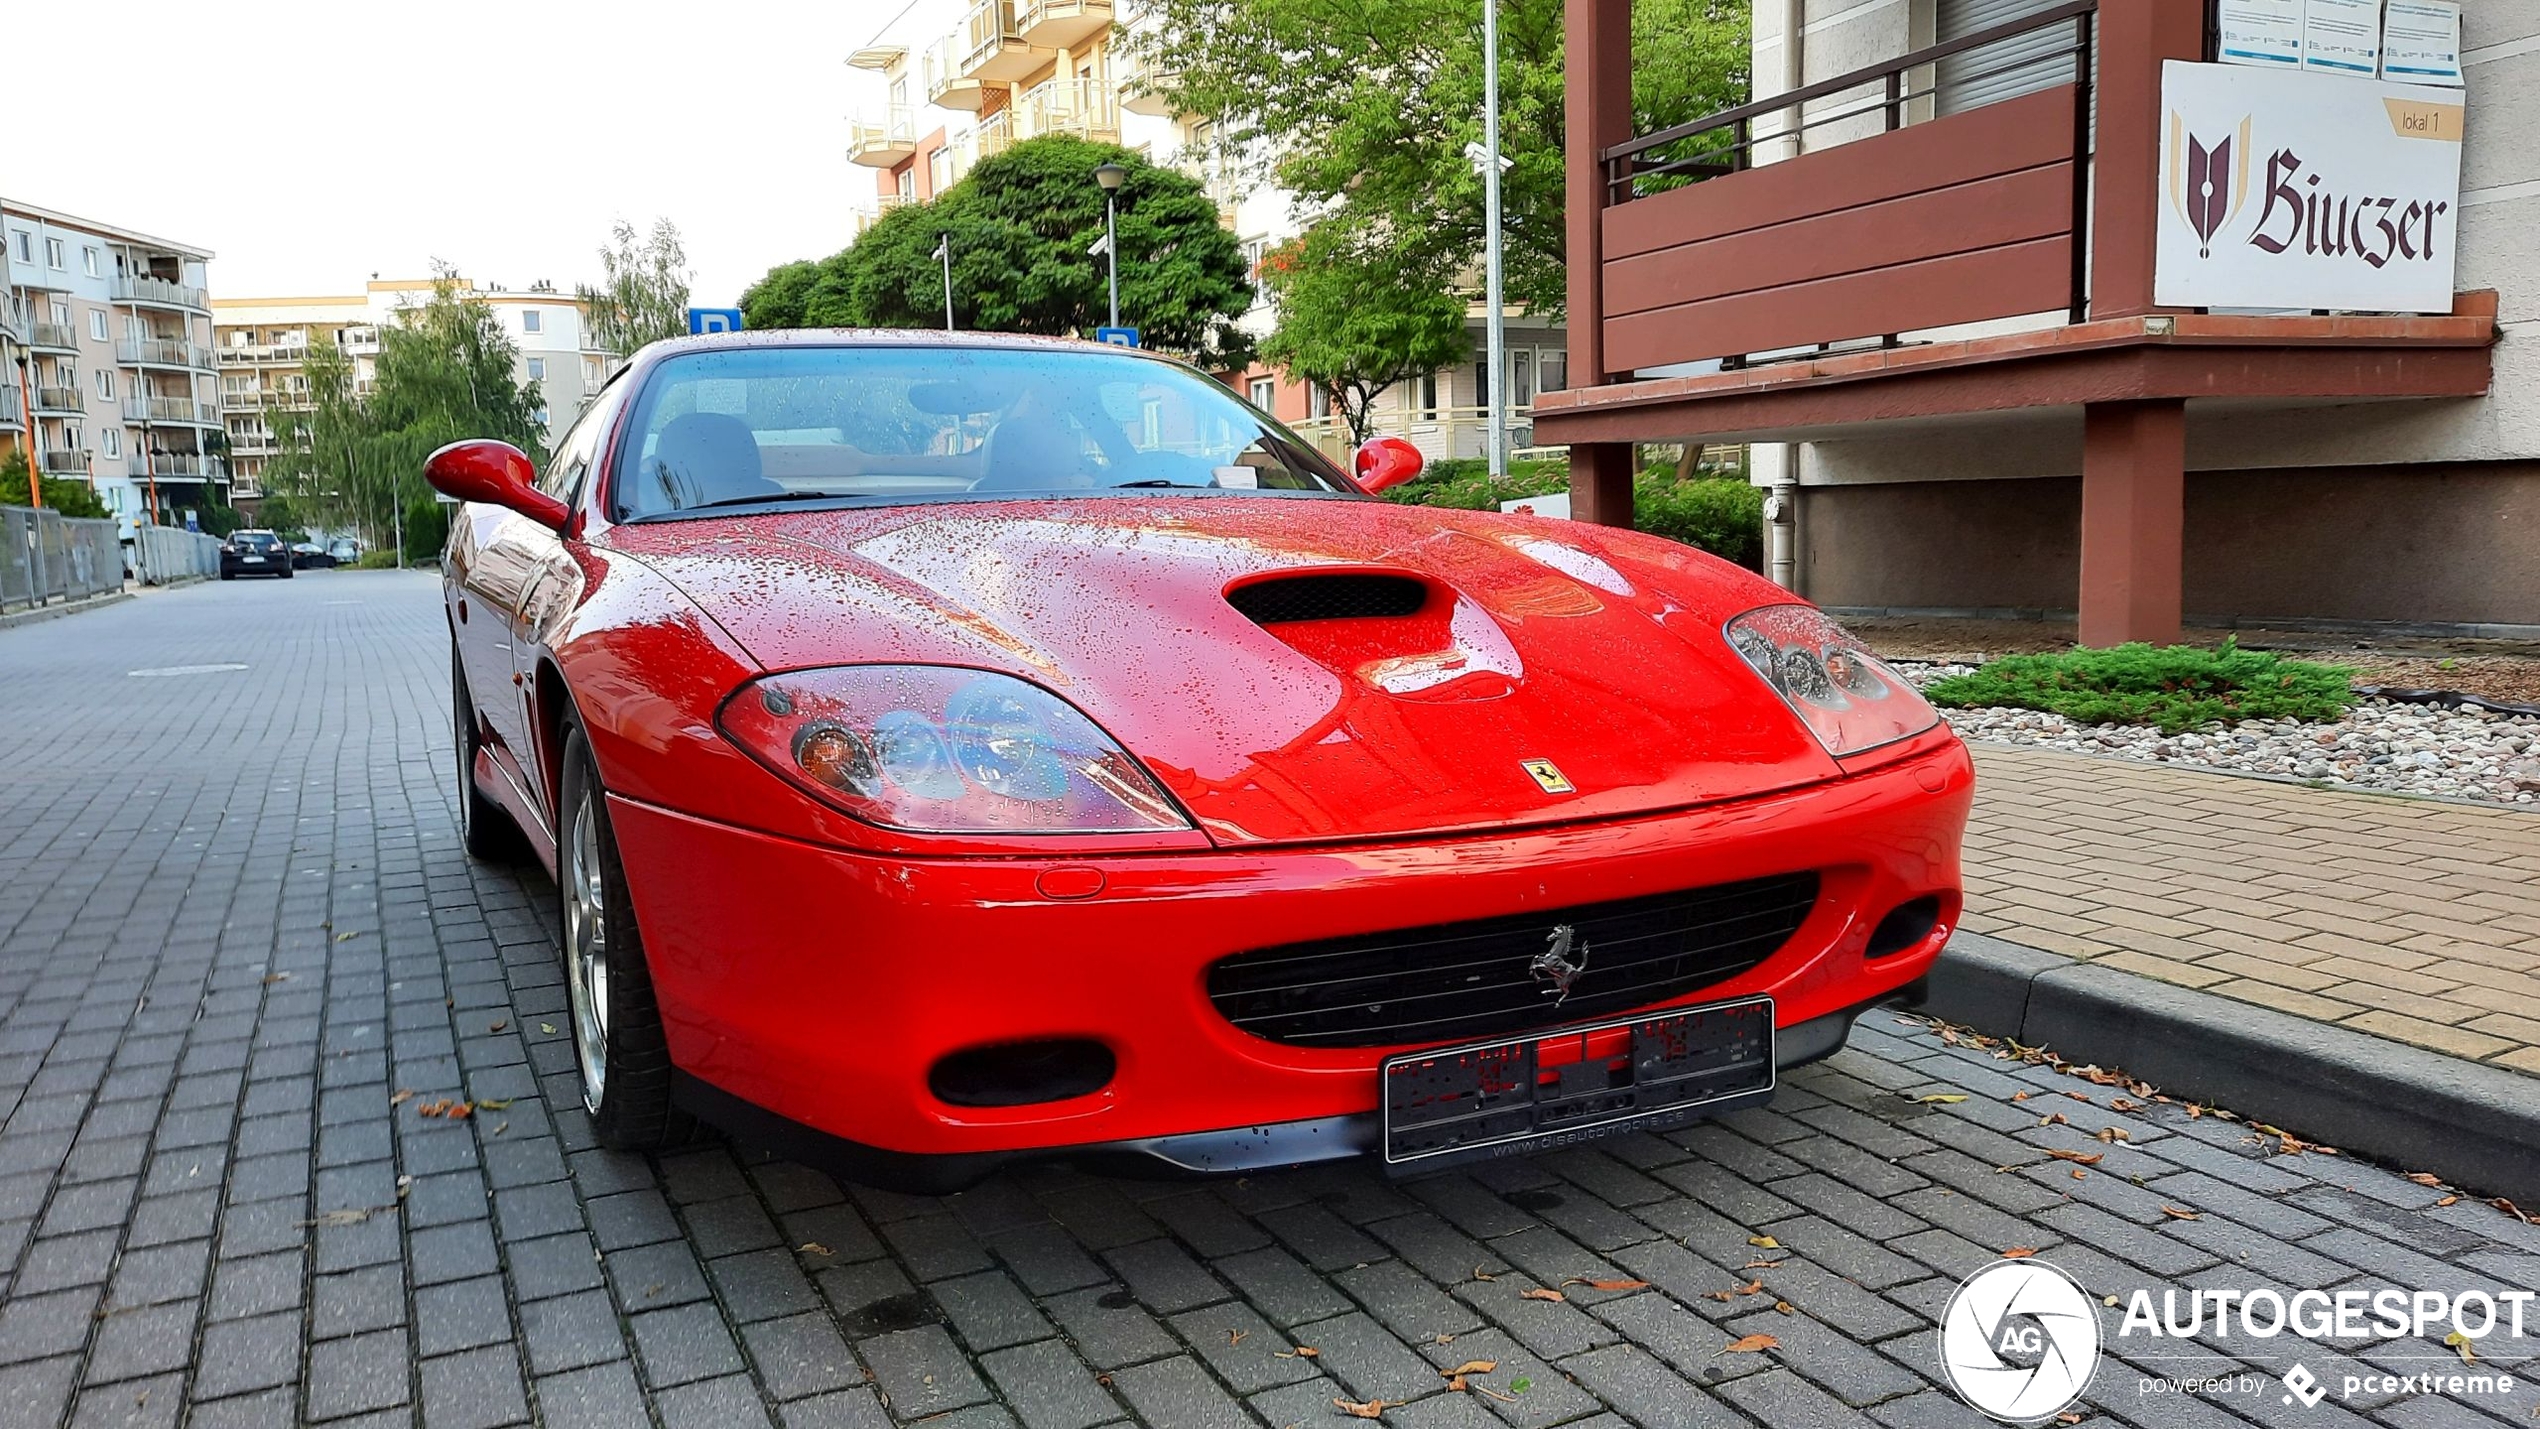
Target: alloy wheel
586	953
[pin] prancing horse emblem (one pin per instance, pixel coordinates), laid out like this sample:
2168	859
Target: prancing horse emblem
1554	964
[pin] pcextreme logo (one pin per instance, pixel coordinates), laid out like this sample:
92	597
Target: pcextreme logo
2019	1341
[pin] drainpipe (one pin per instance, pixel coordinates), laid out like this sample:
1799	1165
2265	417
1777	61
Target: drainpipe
1781	509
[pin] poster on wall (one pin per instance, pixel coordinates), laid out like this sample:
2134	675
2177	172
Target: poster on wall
2291	190
2421	42
2342	36
2261	32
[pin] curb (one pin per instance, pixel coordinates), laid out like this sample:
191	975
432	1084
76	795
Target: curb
2474	1125
33	614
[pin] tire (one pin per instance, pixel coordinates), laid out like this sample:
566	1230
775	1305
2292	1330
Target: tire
485	827
286	573
227	576
619	1050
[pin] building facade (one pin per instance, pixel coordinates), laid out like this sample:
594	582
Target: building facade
1941	267
261	348
948	82
106	333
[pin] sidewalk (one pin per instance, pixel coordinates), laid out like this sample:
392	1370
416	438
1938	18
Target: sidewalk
2407	918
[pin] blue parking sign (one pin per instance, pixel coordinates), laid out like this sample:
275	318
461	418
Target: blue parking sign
714	320
1117	336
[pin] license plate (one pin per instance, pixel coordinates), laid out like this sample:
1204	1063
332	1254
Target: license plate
251	560
1526	1094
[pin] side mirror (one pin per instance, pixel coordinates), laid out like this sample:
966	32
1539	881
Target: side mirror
1386	462
497	473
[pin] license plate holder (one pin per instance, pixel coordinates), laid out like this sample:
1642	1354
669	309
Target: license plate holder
1513	1096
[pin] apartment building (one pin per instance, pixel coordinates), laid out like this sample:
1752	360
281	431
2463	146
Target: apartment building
261	349
947	83
106	333
2072	306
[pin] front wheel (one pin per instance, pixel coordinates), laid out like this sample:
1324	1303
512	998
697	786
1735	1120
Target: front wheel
488	832
618	1044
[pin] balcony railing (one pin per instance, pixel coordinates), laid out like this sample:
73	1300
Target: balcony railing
264	352
881	143
162	352
60	402
53	337
994	135
993	47
9	413
1056	24
161	292
948	86
13	316
1081	107
861	219
179	464
170	409
72	461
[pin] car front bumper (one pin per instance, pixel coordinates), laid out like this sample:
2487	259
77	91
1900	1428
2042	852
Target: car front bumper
812	988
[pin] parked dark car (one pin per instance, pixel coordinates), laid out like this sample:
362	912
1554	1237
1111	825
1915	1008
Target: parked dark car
254	553
310	556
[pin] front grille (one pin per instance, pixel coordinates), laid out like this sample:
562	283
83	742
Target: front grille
1453	982
1337	596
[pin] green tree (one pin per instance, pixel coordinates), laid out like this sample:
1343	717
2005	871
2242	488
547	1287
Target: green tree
643	291
1020	223
1355	318
68	495
1365	113
777	299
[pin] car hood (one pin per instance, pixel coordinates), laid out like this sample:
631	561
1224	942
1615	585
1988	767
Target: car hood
1554	671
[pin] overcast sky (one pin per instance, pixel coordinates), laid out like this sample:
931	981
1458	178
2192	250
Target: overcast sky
311	143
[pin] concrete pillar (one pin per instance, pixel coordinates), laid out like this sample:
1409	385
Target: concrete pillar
2133	520
1597	35
2134	38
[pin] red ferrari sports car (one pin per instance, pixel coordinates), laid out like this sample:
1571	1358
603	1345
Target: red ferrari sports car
953	748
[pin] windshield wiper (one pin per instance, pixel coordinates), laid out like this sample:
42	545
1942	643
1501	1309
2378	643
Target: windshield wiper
1188	485
755	500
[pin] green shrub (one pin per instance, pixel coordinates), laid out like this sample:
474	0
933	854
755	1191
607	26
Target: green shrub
376	561
1464	484
1721	514
2176	687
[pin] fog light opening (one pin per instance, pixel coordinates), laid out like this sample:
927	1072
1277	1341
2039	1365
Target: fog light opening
1905	926
1023	1073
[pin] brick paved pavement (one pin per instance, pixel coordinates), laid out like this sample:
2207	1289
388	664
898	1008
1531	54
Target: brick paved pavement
234	920
2411	918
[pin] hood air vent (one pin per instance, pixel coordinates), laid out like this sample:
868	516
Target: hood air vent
1338	596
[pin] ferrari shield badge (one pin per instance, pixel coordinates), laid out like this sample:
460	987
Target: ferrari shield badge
1549	775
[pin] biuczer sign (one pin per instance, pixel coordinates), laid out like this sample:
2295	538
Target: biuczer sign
2285	189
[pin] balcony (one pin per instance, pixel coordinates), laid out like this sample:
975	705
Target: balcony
13	317
254	353
181	465
993	48
859	221
60	402
10	414
163	352
947	86
179	411
1062	24
160	293
70	462
885	143
1081	107
52	337
250	400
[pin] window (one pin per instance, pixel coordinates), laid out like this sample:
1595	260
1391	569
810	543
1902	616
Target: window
1256	256
537	369
590	372
1552	369
1521	378
61	313
97	324
111	441
529	318
72	437
1481	383
908	183
539	417
26	245
88	260
106	384
55	255
1318	401
1420	394
1265	392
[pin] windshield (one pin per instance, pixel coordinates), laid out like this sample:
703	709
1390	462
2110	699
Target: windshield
909	423
258	539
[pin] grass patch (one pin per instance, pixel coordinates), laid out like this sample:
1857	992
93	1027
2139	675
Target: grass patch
376	561
2175	687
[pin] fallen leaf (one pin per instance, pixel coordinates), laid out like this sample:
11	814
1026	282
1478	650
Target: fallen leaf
2517	1212
493	1104
1752	1287
1520	1385
1607	1284
1722	1296
813	1247
2053	1118
2125	1104
501	1126
2447	1201
2086	1158
1539	1293
1371	1409
1761	1265
1235	1337
2022	1096
2460	1342
344	1218
1939	1098
1457	1384
1471	1367
400	1096
1301	1352
2425	1178
499	1024
2177	1214
1481	1274
2112	1135
2068	1418
346	937
2018	1252
1750	1344
1783	1306
547	1027
2079	1174
277	977
462	1111
2109	1301
1764	1241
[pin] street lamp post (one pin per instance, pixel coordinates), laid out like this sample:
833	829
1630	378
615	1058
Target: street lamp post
1111	176
943	252
34	430
1498	329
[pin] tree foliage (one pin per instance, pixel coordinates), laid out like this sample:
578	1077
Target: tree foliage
66	494
1356	317
355	459
1365	113
1019	224
642	295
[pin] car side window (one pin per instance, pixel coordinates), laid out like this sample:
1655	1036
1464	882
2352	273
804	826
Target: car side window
563	477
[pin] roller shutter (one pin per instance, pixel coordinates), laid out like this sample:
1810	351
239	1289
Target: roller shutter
1974	78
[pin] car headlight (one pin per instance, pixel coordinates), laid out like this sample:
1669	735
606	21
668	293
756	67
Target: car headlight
932	749
1848	699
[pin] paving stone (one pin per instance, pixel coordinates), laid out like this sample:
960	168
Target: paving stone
570	1332
461	1315
1369	1359
601	1397
688	1343
729	1403
1242	1348
1110	1329
1178	1394
1164	1277
358	1373
1648	1393
1408	1303
476	1389
922	1372
761	1285
801	1355
1547	1396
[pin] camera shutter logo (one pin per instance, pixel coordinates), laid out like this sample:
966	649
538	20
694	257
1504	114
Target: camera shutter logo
2019	1341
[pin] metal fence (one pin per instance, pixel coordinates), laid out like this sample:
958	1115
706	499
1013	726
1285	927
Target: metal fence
164	555
45	558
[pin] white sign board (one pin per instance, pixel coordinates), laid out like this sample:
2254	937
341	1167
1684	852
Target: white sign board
2261	32
2294	190
1557	504
2342	36
2421	42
